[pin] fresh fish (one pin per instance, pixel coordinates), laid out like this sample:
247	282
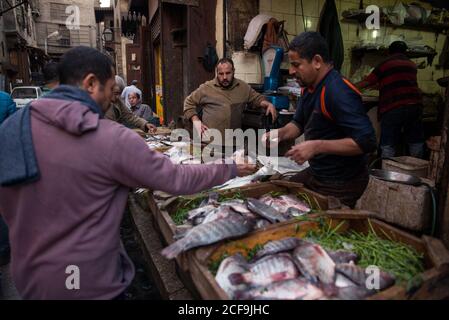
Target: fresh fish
219	213
314	263
198	220
267	199
293	289
348	290
342	282
358	275
231	265
198	212
277	246
267	270
342	256
294	212
237	205
262	223
209	233
291	201
265	211
286	204
181	231
353	293
213	198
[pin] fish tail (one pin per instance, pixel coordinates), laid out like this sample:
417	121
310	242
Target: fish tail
173	250
237	278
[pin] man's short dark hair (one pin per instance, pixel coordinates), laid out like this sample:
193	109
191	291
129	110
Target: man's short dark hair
134	82
397	47
80	61
308	44
225	60
50	71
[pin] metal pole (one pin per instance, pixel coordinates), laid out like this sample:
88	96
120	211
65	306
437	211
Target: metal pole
46	53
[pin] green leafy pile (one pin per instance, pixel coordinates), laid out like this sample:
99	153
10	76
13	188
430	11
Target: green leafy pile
401	260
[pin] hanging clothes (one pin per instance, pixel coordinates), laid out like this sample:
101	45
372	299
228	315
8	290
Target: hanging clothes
329	28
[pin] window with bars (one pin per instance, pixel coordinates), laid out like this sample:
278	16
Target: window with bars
64	33
57	11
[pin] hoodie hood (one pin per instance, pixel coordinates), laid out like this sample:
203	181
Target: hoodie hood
66	107
70	116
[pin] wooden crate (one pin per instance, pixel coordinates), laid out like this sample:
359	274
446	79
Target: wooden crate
435	283
167	227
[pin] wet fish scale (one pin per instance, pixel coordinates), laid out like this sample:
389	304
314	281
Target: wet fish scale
209	233
293	289
359	276
273	247
194	213
230	265
341	256
286	204
293	202
220	213
265	211
314	263
270	269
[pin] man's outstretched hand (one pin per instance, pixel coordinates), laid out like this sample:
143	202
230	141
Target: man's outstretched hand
245	169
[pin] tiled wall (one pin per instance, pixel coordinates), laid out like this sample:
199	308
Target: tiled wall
292	12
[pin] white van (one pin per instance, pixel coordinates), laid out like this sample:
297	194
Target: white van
23	95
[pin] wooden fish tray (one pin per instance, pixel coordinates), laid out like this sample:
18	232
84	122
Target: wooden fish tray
435	278
167	227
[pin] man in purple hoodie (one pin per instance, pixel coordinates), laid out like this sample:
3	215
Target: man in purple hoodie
65	181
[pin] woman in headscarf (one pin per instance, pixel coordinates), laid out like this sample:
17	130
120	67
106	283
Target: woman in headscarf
139	109
120	113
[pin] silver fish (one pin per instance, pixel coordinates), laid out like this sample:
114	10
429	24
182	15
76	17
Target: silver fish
267	270
237	205
348	290
294	212
265	211
219	213
286	204
209	233
277	246
293	289
198	212
353	293
230	265
181	231
342	256
359	276
342	282
267	199
291	201
314	263
262	223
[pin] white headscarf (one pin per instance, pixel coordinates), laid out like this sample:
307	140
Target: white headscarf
137	91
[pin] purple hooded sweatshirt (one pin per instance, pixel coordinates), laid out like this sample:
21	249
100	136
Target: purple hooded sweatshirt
72	215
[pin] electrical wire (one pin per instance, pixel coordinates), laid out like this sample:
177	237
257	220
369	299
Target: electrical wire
303	17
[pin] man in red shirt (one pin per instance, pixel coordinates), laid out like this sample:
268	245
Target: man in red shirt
400	101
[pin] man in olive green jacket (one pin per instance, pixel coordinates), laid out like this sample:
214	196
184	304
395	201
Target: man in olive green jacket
219	103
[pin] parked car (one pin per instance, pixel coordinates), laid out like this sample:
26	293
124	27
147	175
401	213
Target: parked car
23	95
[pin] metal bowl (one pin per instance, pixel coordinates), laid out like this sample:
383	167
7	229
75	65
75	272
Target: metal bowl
395	177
